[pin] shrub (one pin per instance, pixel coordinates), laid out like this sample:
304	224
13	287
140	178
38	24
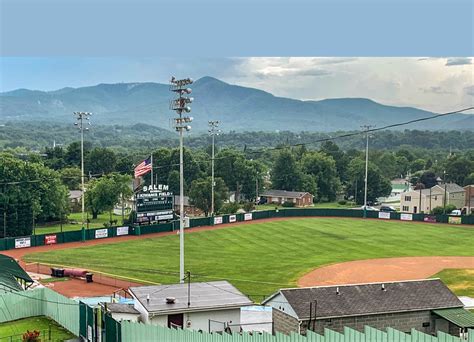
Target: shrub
248	206
229	208
440	210
342	202
288	204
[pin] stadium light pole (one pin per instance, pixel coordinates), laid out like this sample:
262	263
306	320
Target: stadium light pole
213	131
81	117
180	106
366	128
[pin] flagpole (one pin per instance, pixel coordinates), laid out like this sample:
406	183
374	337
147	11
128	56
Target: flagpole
151	178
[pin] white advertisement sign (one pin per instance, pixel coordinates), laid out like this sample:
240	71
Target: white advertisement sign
406	217
23	242
122	231
384	215
232	218
248	216
101	233
218	220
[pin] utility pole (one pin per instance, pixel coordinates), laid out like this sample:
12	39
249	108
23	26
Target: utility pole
367	129
81	117
213	131
444	199
180	105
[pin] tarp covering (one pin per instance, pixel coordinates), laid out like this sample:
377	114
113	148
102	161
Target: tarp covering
458	316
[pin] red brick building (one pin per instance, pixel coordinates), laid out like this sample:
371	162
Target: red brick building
299	198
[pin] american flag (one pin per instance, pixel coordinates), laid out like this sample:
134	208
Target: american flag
143	168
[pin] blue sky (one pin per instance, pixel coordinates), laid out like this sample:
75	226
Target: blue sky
436	84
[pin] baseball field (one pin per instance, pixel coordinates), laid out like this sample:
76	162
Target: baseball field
261	257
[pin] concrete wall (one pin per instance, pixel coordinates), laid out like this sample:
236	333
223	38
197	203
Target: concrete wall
406	321
400	321
283	322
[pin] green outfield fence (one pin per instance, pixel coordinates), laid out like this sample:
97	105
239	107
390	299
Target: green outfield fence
150	333
99	233
40	302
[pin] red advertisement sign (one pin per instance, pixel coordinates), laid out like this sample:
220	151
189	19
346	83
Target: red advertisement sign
50	239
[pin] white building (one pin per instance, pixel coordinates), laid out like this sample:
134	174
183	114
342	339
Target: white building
122	312
432	198
211	306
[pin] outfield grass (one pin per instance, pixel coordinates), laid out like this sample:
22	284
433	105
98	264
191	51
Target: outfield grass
460	281
77	217
326	205
41	323
261	257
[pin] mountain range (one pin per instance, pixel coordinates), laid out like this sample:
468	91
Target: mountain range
238	108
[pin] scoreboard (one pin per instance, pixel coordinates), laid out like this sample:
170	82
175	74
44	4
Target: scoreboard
154	204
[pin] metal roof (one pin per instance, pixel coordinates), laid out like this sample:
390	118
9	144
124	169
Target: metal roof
203	296
122	308
10	271
458	316
370	299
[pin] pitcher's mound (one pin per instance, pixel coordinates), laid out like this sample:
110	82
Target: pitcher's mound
387	269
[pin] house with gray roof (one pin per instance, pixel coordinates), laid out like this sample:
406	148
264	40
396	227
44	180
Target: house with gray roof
299	198
425	305
425	200
207	306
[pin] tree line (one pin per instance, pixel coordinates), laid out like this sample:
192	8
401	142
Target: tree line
35	185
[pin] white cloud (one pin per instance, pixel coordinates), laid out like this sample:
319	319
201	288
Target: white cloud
421	82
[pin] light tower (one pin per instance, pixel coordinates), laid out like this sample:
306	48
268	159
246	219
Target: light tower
213	131
181	105
81	117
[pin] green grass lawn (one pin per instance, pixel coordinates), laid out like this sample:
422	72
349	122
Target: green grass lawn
460	281
76	217
328	205
41	323
261	257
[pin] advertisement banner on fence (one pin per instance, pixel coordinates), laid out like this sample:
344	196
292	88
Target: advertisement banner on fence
406	217
50	239
232	218
248	217
218	220
430	219
384	215
122	231
454	220
23	242
101	233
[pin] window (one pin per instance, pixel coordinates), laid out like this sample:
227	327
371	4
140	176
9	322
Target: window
405	208
408	198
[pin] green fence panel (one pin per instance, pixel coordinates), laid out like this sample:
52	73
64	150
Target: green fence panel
112	329
198	222
467	219
442	218
418	217
40	302
73	236
3	244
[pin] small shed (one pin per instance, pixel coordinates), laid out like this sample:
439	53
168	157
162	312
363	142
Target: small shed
212	306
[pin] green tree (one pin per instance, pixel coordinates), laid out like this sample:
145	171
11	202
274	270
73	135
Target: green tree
55	157
286	174
104	193
458	168
173	182
469	180
331	149
71	177
73	152
31	193
428	178
100	161
417	165
323	168
377	184
200	194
